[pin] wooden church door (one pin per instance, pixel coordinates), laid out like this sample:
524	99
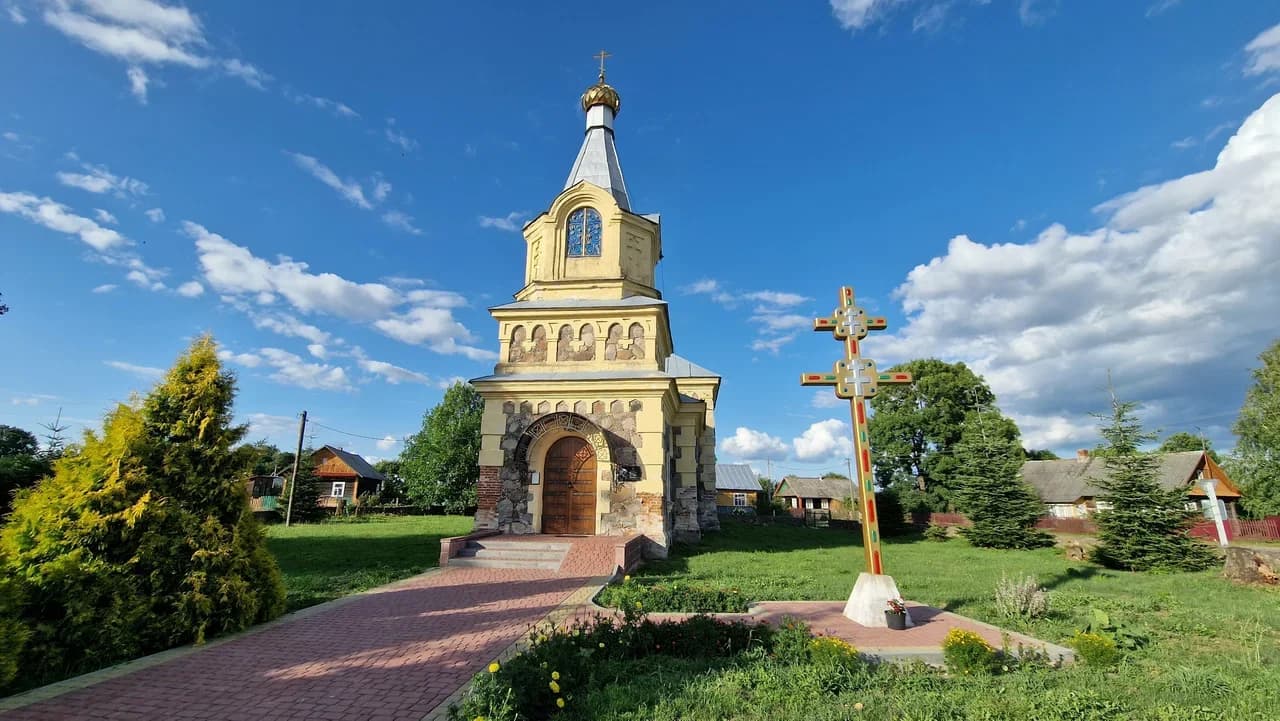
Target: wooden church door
569	490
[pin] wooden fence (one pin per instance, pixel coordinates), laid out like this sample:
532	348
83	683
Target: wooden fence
1267	529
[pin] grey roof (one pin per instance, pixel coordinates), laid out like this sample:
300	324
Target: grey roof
357	463
1070	479
682	367
631	301
802	487
598	164
736	477
576	376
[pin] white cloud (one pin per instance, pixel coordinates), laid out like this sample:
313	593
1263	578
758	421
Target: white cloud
333	106
1263	52
56	216
138	81
704	286
1160	7
1175	294
1183	143
104	216
16	15
105	288
387	443
1036	12
748	443
510	222
348	189
291	369
155	215
931	19
826	398
774	325
420	317
145	280
191	289
858	14
11	136
393	374
318	350
401	221
265	425
397	137
403	281
290	326
823	441
447	383
146	373
99	179
775	297
248	360
250	74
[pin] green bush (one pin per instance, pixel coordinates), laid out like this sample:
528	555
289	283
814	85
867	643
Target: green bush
936	533
673	597
791	641
565	662
143	537
1095	649
967	653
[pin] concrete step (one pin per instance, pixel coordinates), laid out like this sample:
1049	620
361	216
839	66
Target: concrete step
512	553
503	563
489	543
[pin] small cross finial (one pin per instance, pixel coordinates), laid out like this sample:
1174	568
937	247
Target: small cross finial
602	55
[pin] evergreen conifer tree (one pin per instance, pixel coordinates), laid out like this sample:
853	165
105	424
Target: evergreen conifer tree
143	537
989	487
306	497
1144	526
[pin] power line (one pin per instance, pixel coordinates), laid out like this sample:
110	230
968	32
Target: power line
348	433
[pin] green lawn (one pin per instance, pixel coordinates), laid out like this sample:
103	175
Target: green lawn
1214	650
324	561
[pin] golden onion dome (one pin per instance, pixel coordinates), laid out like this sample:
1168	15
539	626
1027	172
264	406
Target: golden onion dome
601	94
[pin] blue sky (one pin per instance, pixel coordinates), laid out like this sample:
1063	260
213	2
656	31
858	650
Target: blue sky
1043	190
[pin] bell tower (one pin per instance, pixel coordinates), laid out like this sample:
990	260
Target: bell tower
589	243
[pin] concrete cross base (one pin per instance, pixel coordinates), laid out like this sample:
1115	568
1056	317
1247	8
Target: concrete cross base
870	599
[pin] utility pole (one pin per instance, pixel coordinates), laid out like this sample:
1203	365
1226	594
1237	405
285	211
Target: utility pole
293	484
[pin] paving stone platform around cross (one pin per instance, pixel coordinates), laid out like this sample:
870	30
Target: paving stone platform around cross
389	655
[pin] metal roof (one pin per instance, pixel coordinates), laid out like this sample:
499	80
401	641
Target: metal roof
1070	479
356	462
736	477
576	376
598	164
681	367
631	301
803	487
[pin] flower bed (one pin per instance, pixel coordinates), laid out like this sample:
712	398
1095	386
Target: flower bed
673	597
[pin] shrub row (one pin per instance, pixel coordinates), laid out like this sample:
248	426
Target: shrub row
673	598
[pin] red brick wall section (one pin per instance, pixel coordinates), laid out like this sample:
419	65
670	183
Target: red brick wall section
488	488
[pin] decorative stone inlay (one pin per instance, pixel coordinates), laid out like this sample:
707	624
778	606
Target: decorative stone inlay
584	350
533	351
631	348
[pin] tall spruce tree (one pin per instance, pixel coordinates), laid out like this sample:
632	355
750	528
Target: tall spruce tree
306	496
989	488
1144	526
142	538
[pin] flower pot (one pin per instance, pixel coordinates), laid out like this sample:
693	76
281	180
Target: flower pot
896	621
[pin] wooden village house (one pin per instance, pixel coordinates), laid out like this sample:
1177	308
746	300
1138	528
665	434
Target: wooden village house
736	487
344	476
1069	487
799	494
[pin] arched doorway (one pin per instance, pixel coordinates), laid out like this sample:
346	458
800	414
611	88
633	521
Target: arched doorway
569	490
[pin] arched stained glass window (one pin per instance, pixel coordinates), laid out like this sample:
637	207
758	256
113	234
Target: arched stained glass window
584	233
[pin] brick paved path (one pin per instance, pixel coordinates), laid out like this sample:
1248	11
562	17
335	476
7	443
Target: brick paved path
390	655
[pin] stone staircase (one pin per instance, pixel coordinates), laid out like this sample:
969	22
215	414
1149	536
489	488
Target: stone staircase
493	552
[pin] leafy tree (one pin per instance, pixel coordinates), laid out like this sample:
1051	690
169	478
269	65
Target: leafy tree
393	487
263	459
143	537
306	498
834	474
1042	454
3	308
441	462
1256	463
1145	526
21	463
915	427
1183	441
989	487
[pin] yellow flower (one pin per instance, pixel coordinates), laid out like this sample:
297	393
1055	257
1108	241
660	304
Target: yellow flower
493	667
857	706
555	687
639	605
560	703
555	675
602	644
626	579
479	718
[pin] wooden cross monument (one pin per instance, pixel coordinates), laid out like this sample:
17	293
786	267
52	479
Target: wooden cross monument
855	378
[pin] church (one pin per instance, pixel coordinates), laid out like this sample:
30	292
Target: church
592	424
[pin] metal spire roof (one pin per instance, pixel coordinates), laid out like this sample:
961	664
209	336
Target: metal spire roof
597	161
